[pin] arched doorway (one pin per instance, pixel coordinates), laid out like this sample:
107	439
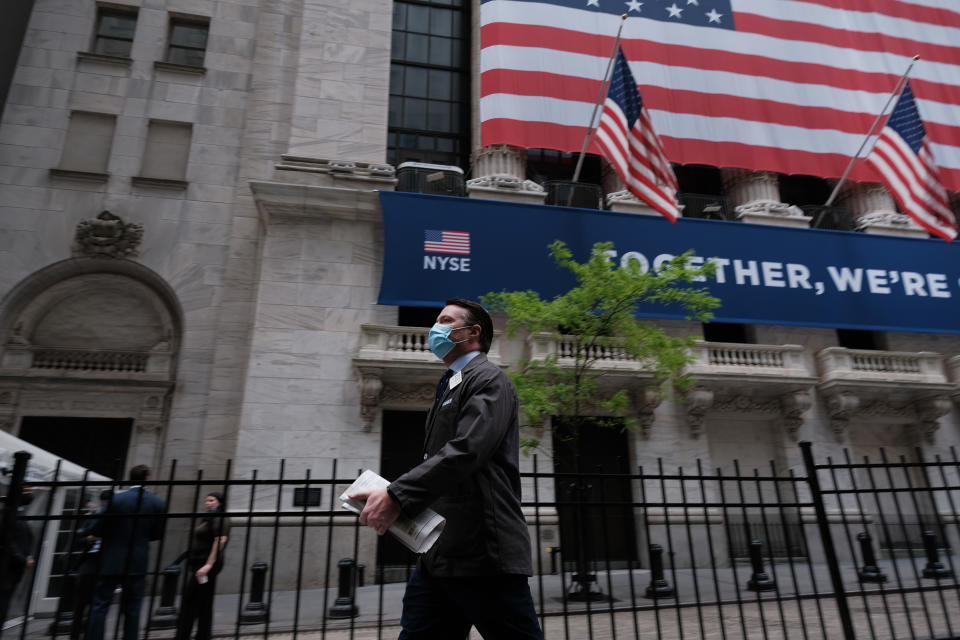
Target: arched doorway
88	355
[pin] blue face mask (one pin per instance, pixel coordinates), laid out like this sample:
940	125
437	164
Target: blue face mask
439	339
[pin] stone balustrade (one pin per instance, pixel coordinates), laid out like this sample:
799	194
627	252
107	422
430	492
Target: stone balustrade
953	365
89	360
764	360
838	363
392	344
606	353
382	342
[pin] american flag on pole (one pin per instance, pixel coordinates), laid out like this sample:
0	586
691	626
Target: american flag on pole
903	158
627	139
778	85
437	241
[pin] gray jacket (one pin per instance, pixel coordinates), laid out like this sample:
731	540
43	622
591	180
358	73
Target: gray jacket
470	476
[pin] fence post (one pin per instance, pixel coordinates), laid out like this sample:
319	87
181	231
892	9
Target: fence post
934	569
843	609
165	617
659	587
343	606
870	572
256	611
759	580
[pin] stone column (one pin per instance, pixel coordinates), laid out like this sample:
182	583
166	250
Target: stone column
617	198
755	197
500	170
875	211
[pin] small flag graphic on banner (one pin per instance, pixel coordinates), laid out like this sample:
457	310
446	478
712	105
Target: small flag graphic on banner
435	241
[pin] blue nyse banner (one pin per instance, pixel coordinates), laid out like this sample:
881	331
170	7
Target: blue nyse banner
437	247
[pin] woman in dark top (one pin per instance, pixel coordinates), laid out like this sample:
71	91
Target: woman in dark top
204	561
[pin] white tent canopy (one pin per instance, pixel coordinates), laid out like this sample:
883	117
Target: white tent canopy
42	464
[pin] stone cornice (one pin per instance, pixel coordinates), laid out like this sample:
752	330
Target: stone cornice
290	200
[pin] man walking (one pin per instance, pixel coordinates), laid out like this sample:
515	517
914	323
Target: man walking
129	522
476	572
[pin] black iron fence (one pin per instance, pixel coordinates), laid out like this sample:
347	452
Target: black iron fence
850	549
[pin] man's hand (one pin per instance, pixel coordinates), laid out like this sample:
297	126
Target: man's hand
380	510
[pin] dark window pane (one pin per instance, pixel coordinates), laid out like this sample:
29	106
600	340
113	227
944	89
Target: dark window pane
399	16
440	51
418	19
456	53
117	26
397	48
425	142
391	157
187	34
112	47
456	29
440	22
455	86
391	139
440	116
406	140
444	144
416	82
396	109
440	85
417	48
454	116
189	57
396	79
414	113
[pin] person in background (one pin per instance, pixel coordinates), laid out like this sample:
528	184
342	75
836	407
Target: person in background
204	562
86	568
130	521
17	554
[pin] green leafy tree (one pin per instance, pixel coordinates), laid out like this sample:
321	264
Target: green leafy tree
597	319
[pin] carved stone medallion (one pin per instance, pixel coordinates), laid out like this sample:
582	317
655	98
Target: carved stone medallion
107	235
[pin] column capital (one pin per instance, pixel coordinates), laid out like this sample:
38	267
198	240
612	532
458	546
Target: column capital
875	211
501	170
755	196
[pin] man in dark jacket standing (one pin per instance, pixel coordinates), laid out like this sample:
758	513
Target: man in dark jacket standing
476	572
19	553
128	524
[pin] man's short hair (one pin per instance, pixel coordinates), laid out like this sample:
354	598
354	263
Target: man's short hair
476	315
139	474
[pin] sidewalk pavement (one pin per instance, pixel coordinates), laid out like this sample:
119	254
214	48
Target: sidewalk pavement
741	613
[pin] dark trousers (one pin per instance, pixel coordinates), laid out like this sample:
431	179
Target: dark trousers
85	582
500	607
8	587
196	605
133	587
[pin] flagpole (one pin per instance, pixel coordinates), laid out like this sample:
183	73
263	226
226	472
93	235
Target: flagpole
600	98
896	92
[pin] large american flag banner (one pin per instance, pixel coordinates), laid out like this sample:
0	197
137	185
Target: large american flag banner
902	157
627	139
779	85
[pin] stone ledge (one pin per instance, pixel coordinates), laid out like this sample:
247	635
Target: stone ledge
90	56
381	174
161	65
163	183
285	199
74	174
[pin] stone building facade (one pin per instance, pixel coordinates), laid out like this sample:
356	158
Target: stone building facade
191	247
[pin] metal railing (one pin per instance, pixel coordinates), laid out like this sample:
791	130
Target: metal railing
850	549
